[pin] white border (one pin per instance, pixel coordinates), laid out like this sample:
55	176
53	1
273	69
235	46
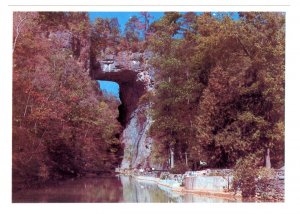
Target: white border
292	107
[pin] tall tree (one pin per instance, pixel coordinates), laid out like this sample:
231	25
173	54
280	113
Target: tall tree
62	124
177	88
235	111
219	86
132	32
145	23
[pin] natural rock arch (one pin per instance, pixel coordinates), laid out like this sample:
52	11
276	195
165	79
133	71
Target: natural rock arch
135	77
130	91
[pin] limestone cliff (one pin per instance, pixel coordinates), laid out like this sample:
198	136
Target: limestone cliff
135	77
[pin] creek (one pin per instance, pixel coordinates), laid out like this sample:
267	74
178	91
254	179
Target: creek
107	189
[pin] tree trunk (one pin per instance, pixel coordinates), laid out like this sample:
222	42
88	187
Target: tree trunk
268	159
18	31
186	160
172	158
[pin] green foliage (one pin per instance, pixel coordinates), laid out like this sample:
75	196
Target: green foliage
245	173
265	174
236	110
264	180
179	168
249	178
156	156
177	87
219	90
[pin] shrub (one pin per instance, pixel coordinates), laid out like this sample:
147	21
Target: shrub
245	176
164	176
179	168
264	182
265	174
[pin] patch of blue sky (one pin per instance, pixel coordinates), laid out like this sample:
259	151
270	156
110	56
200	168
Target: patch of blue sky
233	15
110	87
123	17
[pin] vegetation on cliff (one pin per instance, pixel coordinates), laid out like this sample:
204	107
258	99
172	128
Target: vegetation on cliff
62	124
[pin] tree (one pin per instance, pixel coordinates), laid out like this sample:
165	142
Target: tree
62	124
105	34
219	86
132	32
177	88
235	117
145	23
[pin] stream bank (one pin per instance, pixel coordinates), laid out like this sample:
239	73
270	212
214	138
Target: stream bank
211	183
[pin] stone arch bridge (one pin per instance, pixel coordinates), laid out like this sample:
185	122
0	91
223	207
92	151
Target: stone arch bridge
135	77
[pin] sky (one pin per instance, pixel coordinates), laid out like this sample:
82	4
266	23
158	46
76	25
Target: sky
109	87
123	17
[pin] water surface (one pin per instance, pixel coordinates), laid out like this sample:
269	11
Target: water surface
107	189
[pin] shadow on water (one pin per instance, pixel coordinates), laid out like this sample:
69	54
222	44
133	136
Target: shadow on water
107	189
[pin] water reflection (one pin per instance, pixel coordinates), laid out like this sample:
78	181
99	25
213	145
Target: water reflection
141	191
107	189
103	189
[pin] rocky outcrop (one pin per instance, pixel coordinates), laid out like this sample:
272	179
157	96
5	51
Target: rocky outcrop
135	77
137	143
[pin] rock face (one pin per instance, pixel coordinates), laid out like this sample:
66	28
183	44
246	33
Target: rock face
135	77
137	144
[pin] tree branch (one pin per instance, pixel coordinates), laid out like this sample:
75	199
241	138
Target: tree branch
243	46
18	31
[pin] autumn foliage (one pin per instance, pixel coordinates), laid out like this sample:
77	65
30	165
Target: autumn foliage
62	124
